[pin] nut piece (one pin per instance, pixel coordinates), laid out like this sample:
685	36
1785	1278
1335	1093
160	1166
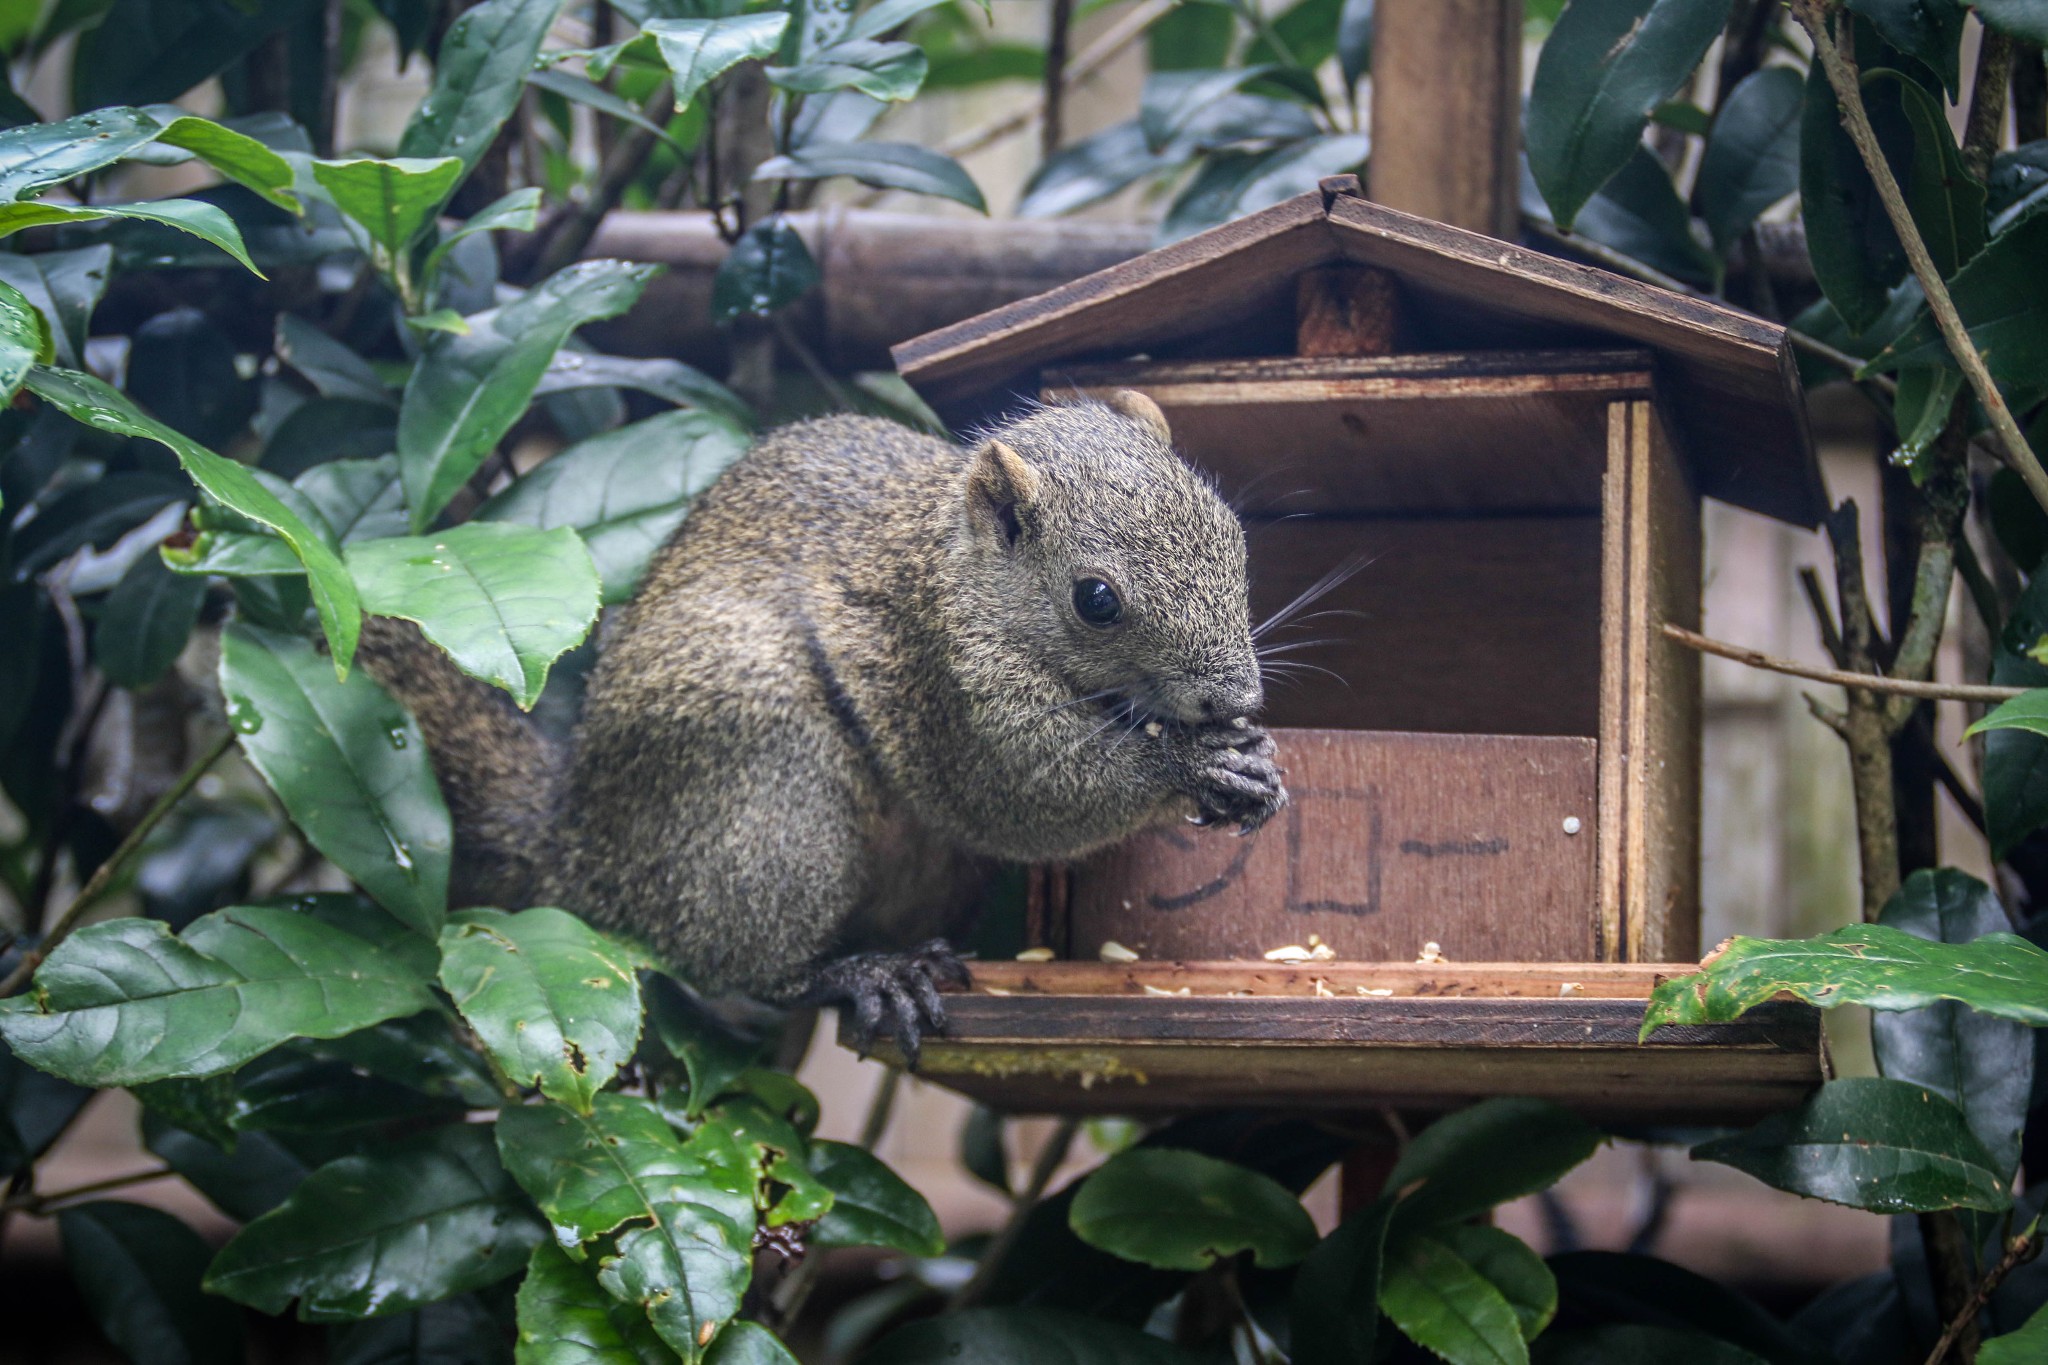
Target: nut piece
1319	950
1323	991
1112	951
1154	728
1161	990
1432	951
1567	987
1035	955
1293	952
1375	990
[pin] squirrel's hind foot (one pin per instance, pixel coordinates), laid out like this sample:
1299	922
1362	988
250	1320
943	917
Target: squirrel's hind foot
902	988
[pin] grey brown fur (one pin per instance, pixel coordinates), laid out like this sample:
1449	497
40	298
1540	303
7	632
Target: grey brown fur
852	680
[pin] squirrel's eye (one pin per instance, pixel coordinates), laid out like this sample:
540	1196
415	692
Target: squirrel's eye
1096	602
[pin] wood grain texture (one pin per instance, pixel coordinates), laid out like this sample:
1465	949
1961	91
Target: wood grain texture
1391	841
1346	310
1449	624
1649	697
1446	110
1504	980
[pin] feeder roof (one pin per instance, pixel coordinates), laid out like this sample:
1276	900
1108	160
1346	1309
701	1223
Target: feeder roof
1726	377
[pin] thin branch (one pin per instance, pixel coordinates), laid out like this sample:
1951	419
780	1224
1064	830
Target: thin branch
2017	1252
1856	119
1049	1159
104	873
564	240
1823	616
48	1203
1868	682
1985	126
1052	97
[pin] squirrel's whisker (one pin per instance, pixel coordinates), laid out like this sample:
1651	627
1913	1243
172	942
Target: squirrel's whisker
1314	592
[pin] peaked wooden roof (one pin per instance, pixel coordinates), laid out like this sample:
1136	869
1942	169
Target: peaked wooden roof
1728	377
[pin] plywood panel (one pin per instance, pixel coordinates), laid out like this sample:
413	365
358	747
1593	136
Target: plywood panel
1458	625
1649	697
1392	841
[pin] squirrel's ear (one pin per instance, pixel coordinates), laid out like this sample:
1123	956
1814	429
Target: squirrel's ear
1141	410
998	486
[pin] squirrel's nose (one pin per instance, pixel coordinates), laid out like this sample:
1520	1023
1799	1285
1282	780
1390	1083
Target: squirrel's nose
1229	700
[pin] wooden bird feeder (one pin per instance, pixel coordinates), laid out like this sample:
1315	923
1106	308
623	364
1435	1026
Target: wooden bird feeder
1507	762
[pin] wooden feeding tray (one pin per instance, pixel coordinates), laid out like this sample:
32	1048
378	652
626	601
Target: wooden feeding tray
1494	746
1164	1037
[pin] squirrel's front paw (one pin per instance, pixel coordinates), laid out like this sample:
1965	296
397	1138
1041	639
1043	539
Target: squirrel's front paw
1237	781
901	987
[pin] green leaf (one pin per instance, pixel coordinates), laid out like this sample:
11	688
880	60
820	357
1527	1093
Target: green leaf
65	287
1929	31
518	211
505	601
2028	711
260	1175
181	370
2023	19
871	1204
1507	1263
195	216
331	368
1496	1151
768	268
1920	413
891	72
1982	1065
883	165
555	1002
1874	1144
385	1232
421	1051
2002	294
145	50
348	764
585	91
699	51
1861	964
1354	39
1619	1286
1335	1305
479	75
124	1001
1191	38
467	391
1091	170
24	340
1856	254
1022	1334
38	155
1174	99
983	1153
669	380
2029	1343
146	620
100	405
1945	200
355	499
711	1053
1634	1343
138	1270
1606	65
681	1228
567	1318
1638	213
464	1330
393	200
1434	1296
1180	1210
441	320
1752	156
238	156
748	1343
887	15
624	492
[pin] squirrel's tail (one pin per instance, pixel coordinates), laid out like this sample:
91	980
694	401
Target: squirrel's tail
499	773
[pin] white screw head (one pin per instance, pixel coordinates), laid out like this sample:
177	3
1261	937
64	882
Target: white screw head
1572	825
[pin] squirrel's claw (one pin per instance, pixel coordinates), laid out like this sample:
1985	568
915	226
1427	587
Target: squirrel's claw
900	990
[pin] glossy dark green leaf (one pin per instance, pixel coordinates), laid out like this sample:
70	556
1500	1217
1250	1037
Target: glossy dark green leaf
871	1204
98	404
64	286
1861	964
2028	1344
124	1001
2023	19
96	514
1232	184
2028	711
1091	170
138	1270
626	491
1982	1065
713	1055
1440	1302
468	390
699	51
1606	65
1180	1210
195	216
355	499
1921	407
766	1154
1752	156
35	156
1335	1306
518	211
983	1152
567	1318
459	1331
2002	294
748	1343
146	620
2016	760
24	340
363	1236
323	430
681	1227
890	72
202	1106
1022	1334
555	1002
292	1093
1631	1344
1173	99
1494	1152
255	1178
2018	184
181	370
1510	1265
1856	254
349	765
768	268
479	74
1191	38
421	1051
1872	1144
393	200
1638	213
1610	1286
882	165
143	51
1929	31
1946	201
504	600
669	380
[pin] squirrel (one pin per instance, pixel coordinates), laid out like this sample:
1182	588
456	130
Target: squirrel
870	665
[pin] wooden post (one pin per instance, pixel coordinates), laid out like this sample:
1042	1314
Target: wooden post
1446	111
1347	310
